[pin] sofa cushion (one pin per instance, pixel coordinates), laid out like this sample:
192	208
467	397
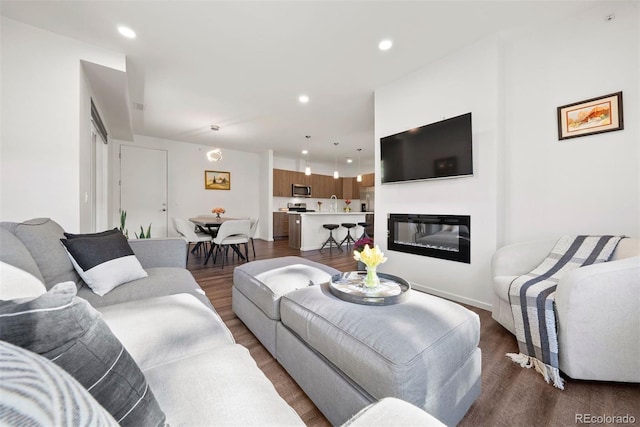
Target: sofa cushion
104	262
166	328
395	413
14	252
85	235
68	331
37	392
160	281
17	283
42	237
221	387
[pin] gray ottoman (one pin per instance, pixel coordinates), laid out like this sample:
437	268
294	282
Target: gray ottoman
259	285
343	355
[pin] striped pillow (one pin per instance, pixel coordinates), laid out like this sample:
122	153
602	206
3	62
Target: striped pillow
68	331
38	392
103	260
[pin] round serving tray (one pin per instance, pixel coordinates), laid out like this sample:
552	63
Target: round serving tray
348	287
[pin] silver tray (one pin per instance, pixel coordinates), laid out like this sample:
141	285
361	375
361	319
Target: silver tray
348	287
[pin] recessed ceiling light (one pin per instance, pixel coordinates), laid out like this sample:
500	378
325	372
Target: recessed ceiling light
349	160
303	98
305	151
127	32
385	44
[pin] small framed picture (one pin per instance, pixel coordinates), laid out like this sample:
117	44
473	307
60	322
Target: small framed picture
216	180
596	115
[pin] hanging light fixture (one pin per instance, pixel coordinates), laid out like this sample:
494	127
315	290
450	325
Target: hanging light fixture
336	175
214	155
359	177
307	168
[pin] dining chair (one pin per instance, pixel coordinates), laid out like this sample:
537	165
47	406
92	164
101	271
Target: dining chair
252	233
231	234
186	229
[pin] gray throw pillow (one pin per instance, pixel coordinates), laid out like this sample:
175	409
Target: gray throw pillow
68	331
37	392
104	261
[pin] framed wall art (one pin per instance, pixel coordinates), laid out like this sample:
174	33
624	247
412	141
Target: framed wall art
216	180
596	115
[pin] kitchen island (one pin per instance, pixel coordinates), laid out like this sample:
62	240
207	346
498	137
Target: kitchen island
306	231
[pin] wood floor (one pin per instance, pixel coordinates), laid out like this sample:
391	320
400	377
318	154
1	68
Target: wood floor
511	396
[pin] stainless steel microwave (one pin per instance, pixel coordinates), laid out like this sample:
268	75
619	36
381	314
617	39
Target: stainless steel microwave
300	190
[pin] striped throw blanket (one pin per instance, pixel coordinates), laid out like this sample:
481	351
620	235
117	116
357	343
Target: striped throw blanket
532	299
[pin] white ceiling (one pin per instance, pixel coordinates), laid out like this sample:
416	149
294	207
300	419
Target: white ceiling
242	65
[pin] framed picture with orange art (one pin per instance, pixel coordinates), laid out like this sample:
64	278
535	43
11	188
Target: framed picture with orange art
216	180
596	115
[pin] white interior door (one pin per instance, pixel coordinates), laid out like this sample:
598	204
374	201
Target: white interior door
143	189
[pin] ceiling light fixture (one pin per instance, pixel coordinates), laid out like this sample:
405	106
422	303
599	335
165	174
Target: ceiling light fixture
349	160
215	127
303	99
336	175
307	168
214	155
359	177
385	44
127	32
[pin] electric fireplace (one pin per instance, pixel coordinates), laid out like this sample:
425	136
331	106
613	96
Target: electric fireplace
439	236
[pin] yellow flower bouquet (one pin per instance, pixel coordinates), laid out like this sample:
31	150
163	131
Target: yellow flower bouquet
371	258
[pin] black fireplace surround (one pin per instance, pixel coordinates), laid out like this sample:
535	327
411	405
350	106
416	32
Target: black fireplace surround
439	236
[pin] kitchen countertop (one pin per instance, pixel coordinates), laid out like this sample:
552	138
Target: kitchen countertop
328	213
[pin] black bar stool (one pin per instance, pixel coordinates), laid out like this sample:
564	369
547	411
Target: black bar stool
331	241
364	226
348	238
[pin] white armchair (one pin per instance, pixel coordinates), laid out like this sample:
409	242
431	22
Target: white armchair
597	308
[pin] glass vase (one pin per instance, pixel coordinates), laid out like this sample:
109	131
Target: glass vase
371	280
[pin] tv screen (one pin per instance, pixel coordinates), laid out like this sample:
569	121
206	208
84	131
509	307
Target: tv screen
436	150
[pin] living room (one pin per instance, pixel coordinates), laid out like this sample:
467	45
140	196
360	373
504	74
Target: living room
527	184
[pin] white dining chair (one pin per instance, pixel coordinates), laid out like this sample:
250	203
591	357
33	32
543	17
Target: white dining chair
186	229
231	234
252	233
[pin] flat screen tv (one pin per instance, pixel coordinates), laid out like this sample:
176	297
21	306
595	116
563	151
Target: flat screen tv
437	150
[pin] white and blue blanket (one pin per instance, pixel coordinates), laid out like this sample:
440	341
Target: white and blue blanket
532	299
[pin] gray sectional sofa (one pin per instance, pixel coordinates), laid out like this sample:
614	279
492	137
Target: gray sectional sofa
196	371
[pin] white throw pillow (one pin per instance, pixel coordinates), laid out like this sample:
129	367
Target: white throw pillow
16	283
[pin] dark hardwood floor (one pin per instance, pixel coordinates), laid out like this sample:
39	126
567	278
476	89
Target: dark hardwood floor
511	396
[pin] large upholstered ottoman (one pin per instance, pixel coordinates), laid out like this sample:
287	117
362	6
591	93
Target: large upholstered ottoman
258	286
346	356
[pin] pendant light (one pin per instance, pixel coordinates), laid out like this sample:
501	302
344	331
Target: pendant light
359	177
307	168
336	175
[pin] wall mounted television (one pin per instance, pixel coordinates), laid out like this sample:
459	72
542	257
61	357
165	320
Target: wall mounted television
434	151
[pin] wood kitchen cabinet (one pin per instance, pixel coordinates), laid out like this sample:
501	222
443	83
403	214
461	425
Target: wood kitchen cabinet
368	180
282	180
295	230
280	225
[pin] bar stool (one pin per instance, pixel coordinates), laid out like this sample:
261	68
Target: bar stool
348	238
331	241
364	226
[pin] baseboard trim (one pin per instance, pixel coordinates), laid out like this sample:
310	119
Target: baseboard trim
450	296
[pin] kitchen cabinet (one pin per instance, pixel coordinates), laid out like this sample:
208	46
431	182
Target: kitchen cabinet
347	188
282	180
295	227
324	186
368	180
280	224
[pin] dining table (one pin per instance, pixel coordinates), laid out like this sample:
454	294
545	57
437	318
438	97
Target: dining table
210	224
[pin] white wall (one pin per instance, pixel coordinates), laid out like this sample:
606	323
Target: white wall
461	83
527	183
40	155
186	196
587	185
